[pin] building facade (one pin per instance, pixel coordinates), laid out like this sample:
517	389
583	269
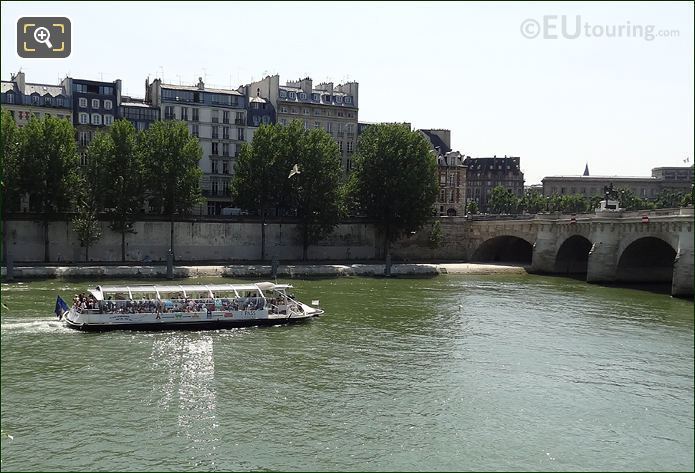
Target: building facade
24	100
679	179
332	108
94	106
218	118
138	112
451	173
484	174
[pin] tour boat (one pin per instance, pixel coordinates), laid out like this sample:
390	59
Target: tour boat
150	307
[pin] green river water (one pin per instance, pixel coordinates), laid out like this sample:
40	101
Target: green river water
503	372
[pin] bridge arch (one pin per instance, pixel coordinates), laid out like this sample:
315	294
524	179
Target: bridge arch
573	255
504	248
646	259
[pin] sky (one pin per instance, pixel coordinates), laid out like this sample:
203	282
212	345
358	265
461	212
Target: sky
506	78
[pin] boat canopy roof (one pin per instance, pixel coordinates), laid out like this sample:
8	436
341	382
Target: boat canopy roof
100	292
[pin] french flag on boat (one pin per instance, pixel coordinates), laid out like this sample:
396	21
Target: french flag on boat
61	308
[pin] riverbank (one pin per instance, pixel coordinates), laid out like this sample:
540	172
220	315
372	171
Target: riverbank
259	270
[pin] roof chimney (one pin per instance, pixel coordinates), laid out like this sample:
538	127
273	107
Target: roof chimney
201	84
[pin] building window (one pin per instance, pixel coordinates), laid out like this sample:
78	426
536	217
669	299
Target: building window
327	98
215	149
266	119
96	119
292	95
350	115
256	120
225	149
84	118
348	165
341	114
108	105
329	127
283	94
349	146
317	112
306	124
35	99
302	96
195	115
315	97
95	103
240	120
240	134
83	138
338	99
295	110
141	126
349	127
194	130
47	100
10	97
283	121
348	99
214	186
83	159
214	167
283	109
225	167
215	130
169	113
184	113
215	116
225	132
83	102
317	124
108	119
305	111
225	116
340	146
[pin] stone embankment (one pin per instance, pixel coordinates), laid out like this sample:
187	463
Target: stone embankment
257	271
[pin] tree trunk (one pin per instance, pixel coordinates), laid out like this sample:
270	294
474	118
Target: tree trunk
123	243
171	236
305	241
262	234
46	255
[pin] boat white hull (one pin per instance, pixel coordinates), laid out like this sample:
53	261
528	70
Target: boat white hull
184	320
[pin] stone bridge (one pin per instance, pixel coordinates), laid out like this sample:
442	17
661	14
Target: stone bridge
645	246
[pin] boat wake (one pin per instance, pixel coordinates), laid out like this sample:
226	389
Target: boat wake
34	326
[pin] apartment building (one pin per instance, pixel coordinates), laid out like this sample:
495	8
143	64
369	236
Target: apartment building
218	118
333	108
484	174
24	100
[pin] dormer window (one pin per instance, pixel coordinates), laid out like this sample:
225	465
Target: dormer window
302	96
283	94
293	96
315	97
326	98
338	99
348	99
10	97
35	99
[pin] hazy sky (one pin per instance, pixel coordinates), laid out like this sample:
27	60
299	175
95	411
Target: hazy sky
622	104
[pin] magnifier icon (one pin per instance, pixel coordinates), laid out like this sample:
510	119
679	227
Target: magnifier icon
42	35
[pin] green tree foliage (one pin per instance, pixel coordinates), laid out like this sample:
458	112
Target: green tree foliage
316	189
436	235
533	202
629	201
86	225
472	207
123	178
48	167
668	198
394	179
170	157
9	177
503	200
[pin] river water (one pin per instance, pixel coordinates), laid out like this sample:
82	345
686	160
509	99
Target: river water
503	372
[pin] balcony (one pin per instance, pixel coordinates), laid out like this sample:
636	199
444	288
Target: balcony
215	119
215	136
239	121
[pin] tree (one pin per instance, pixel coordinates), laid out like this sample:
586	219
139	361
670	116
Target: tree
48	167
629	201
170	158
472	207
668	198
317	186
9	177
124	176
86	225
394	179
255	175
436	235
533	202
502	200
